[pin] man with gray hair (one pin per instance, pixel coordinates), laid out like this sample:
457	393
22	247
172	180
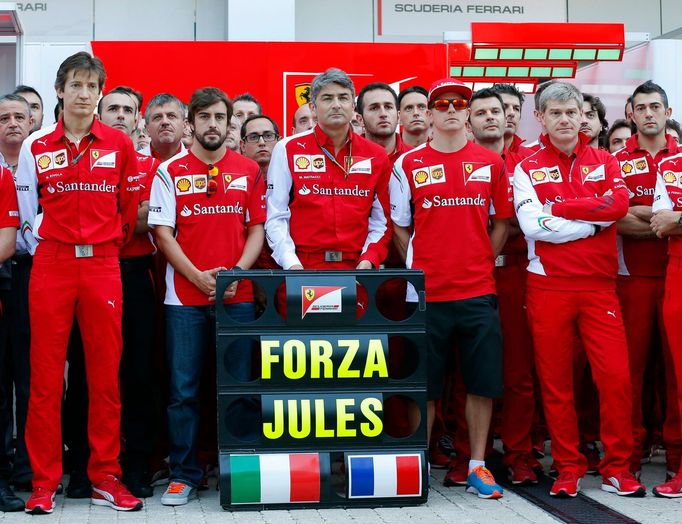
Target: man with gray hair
327	196
568	197
165	120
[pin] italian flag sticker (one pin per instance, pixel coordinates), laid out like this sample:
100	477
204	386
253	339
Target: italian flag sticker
276	478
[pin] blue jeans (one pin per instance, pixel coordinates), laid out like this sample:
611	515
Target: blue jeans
190	330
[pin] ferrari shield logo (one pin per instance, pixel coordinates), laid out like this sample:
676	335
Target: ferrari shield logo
309	294
586	170
302	92
95	154
468	168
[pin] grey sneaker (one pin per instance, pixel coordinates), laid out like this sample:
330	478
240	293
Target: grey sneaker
178	494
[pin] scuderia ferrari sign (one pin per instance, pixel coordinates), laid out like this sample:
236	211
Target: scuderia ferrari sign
416	17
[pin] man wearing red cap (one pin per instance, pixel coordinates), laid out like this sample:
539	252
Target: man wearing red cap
452	181
568	196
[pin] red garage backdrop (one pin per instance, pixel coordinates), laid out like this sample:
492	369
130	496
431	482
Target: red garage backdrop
270	71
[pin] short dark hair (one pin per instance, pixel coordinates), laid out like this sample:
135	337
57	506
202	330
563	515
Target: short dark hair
487	92
618	124
673	124
124	90
248	97
81	61
412	89
256	117
57	110
206	97
647	88
538	91
27	89
360	104
598	106
509	89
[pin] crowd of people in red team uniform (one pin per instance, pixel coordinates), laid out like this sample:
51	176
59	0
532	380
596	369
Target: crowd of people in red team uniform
550	269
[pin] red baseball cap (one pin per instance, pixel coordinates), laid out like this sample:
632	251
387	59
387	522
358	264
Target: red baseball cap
448	85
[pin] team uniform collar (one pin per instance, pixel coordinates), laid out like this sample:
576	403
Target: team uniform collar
96	129
632	143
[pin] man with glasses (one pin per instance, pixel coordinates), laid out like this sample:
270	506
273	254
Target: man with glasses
328	188
259	135
207	189
447	181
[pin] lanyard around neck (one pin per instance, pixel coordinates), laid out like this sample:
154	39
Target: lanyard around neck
349	157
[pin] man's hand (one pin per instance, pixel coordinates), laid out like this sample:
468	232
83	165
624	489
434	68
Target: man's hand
665	223
206	280
364	264
231	290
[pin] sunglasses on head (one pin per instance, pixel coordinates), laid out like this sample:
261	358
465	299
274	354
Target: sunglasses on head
443	104
212	185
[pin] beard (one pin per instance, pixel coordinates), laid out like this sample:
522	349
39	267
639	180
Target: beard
211	144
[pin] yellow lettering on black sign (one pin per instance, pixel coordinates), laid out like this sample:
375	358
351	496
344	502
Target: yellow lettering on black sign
332	357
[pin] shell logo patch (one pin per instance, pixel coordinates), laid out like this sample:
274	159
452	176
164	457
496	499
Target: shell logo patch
302	163
428	175
44	161
634	167
669	177
421	177
183	185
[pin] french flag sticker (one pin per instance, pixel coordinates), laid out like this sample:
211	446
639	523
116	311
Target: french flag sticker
381	476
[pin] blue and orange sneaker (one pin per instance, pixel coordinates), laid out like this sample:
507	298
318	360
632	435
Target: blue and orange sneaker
482	483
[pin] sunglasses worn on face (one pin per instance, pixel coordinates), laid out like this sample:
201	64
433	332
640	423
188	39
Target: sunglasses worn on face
212	185
253	138
443	104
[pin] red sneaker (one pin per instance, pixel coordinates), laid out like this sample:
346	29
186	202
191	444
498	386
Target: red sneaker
438	458
671	489
624	484
520	472
41	502
458	472
111	492
567	485
534	464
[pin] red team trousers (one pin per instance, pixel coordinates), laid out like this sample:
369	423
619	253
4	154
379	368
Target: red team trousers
62	286
672	312
641	301
519	389
554	317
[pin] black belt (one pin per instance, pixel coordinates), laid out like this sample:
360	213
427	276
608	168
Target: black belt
131	264
21	259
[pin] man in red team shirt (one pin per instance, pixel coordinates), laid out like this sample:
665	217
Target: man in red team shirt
120	109
642	263
9	223
564	195
81	174
208	188
165	121
328	188
667	222
452	181
488	119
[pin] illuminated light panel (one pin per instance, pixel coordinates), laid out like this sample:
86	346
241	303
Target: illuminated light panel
584	54
518	71
456	71
511	54
563	72
560	54
485	54
608	54
542	72
473	71
535	54
496	71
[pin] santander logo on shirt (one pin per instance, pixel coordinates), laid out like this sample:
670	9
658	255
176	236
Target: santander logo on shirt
439	201
218	209
316	189
65	187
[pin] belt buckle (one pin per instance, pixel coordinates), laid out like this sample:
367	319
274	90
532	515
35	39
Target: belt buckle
333	256
83	250
501	260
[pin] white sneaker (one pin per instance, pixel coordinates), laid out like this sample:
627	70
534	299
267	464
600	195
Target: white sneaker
178	494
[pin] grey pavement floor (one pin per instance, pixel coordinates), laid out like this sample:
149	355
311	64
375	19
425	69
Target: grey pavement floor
451	505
